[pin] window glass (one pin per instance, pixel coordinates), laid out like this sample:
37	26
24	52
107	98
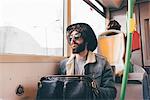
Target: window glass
31	27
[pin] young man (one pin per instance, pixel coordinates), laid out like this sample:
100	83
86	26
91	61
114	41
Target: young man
83	61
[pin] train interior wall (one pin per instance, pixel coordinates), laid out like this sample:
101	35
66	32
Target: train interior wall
140	57
19	75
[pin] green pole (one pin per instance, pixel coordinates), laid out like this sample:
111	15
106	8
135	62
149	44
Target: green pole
130	29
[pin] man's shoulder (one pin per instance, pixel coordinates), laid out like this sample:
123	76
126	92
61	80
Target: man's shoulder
100	57
64	60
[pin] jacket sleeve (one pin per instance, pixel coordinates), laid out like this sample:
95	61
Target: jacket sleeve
62	67
107	90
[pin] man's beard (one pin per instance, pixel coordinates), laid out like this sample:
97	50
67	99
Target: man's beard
80	48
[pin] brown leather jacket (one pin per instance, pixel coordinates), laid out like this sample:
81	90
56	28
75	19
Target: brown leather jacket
98	68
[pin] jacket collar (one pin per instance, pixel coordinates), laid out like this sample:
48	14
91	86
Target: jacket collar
70	63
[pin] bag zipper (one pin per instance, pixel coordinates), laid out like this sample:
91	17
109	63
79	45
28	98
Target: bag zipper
64	90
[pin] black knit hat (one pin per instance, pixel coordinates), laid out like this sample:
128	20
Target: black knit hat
86	32
113	24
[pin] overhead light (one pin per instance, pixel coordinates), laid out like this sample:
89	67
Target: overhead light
111	3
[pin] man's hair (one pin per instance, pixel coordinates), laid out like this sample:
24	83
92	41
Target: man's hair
113	24
87	34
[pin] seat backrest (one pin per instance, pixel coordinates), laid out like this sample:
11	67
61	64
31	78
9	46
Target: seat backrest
111	44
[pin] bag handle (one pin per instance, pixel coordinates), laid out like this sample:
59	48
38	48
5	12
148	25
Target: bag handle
66	76
94	87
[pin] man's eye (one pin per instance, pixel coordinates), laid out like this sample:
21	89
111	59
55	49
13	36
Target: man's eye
70	38
76	37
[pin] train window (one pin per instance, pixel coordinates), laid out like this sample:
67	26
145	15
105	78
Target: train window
98	5
31	27
82	12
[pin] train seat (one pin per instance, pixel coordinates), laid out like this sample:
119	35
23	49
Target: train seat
111	44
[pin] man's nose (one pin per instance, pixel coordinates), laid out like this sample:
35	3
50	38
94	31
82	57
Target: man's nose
73	40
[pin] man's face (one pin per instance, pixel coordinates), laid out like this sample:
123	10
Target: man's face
76	42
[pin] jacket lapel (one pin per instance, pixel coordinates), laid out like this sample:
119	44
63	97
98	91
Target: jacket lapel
70	65
91	58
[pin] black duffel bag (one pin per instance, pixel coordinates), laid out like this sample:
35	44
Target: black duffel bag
63	87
